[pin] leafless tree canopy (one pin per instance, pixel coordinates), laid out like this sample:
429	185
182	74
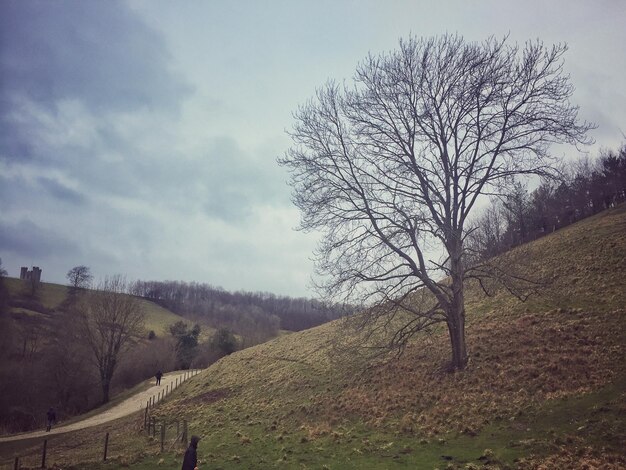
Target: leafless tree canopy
79	277
391	168
110	321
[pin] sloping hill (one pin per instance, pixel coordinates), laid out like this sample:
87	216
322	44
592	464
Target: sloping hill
545	386
546	377
51	297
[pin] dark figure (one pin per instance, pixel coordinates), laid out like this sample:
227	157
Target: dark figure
158	376
191	457
52	418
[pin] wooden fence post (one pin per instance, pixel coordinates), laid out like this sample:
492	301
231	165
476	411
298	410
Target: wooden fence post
17	464
106	447
43	453
145	418
162	435
153	426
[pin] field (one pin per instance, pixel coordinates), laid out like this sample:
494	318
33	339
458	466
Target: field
545	387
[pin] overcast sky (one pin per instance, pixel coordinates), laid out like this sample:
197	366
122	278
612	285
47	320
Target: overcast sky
141	137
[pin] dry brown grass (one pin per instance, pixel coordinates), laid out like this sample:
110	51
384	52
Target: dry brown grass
520	363
521	354
572	458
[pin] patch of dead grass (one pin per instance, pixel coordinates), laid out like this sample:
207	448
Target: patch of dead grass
534	358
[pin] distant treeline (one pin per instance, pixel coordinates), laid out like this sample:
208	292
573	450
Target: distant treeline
587	187
243	312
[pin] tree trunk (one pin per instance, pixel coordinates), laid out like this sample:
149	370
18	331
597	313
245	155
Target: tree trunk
456	329
106	385
456	309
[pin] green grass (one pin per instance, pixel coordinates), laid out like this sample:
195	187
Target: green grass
158	319
593	419
50	295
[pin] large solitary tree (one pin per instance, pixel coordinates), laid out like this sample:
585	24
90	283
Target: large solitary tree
110	321
391	168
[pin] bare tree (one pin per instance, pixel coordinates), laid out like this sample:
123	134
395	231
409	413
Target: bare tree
6	333
110	320
79	277
4	292
391	168
487	237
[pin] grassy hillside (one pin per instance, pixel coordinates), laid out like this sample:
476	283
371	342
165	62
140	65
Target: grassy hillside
545	386
51	296
537	371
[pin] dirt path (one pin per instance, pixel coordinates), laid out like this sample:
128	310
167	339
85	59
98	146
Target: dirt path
129	406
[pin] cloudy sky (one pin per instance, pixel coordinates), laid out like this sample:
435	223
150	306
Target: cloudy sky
140	137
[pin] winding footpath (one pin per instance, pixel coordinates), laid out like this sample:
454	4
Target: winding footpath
129	406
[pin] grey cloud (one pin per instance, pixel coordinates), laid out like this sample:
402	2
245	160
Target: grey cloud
60	191
17	192
101	56
237	182
30	240
43	193
98	53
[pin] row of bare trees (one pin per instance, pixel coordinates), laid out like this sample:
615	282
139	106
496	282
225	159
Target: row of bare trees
585	188
255	315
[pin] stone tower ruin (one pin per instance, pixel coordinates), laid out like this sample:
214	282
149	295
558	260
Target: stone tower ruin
34	275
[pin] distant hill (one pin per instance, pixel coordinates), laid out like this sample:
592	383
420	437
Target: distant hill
221	307
51	297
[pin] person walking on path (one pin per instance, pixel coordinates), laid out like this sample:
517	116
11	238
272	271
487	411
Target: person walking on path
190	461
158	376
52	419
